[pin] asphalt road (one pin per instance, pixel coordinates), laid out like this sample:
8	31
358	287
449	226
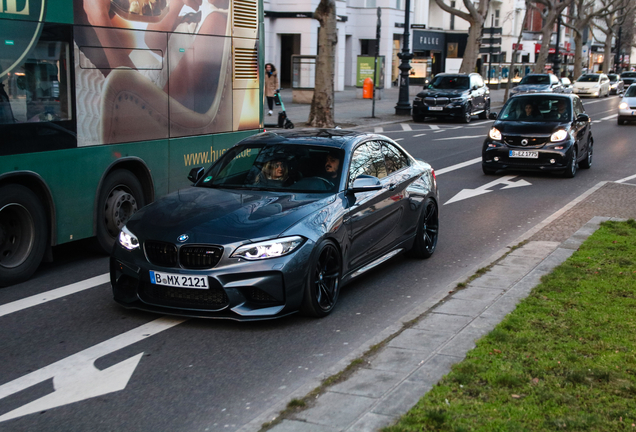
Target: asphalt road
200	375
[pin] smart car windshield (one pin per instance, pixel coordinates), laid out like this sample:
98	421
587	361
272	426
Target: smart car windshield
450	83
613	77
588	78
631	91
535	79
277	167
628	75
537	109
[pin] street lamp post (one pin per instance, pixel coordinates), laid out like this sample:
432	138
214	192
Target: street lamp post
492	27
557	50
403	106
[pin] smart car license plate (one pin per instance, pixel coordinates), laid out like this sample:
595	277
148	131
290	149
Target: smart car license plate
524	154
179	280
435	108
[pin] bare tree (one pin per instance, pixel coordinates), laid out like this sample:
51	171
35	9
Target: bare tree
552	9
516	49
321	112
476	16
608	25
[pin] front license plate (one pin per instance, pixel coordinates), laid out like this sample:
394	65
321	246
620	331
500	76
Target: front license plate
524	154
179	280
435	108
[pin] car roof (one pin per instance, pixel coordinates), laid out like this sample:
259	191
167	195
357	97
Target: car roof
569	96
335	138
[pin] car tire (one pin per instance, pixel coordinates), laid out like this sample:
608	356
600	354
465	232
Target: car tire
323	281
120	196
484	115
23	234
427	231
488	171
587	163
620	121
570	171
468	113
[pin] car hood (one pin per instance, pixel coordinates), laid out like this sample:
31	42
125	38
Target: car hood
631	101
586	84
528	128
222	215
441	93
532	87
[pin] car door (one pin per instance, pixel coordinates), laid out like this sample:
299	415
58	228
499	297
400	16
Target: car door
581	127
477	93
555	84
372	216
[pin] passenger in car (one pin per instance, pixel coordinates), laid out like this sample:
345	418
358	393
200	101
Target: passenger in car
529	112
274	173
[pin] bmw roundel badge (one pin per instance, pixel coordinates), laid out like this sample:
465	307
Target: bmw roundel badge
183	237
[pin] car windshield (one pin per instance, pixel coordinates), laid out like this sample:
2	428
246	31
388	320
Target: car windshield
535	79
450	83
631	91
613	77
628	75
588	78
277	167
536	109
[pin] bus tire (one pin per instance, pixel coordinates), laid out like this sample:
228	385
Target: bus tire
119	198
23	234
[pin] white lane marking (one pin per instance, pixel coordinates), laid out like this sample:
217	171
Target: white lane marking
418	135
406	126
593	102
596	121
398	139
44	297
623	180
469	193
76	378
460	137
457	166
435	127
378	129
610	117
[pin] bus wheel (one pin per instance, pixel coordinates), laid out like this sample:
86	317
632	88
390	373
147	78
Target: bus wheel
120	197
23	234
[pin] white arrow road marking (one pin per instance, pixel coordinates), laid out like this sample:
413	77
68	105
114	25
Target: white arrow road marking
75	378
44	297
469	193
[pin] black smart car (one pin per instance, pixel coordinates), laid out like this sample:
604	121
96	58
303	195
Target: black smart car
277	225
544	132
453	95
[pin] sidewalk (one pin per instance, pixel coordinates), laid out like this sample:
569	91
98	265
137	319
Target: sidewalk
353	113
420	349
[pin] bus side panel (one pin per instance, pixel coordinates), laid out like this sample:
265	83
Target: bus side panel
73	177
198	151
59	11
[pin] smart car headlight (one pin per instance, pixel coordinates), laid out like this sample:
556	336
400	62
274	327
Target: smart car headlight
268	249
494	134
559	135
623	105
128	239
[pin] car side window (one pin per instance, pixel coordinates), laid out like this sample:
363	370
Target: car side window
394	159
578	108
367	159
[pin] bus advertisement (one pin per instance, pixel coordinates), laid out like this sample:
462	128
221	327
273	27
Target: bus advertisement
106	105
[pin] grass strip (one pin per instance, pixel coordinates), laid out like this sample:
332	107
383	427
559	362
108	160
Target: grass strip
565	359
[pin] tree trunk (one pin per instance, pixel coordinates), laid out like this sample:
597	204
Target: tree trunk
546	34
607	57
321	112
471	53
578	54
511	72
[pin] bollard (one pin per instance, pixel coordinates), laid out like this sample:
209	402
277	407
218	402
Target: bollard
367	88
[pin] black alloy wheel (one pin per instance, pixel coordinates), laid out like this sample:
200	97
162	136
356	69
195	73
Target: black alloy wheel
323	286
468	113
427	231
587	163
570	171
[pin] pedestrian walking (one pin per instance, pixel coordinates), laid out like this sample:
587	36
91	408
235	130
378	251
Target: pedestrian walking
271	85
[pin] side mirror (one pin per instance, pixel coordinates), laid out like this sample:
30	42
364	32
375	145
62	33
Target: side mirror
195	174
493	116
475	87
583	118
365	183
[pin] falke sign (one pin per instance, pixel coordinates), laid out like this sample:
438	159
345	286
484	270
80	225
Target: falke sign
428	40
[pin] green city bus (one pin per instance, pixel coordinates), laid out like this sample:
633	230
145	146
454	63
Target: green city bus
106	105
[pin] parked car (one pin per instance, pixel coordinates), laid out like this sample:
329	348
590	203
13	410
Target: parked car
627	106
539	132
278	224
628	78
595	85
567	85
453	95
617	86
538	83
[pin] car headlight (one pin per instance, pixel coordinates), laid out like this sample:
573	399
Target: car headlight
456	100
417	99
268	249
128	239
559	135
494	134
623	105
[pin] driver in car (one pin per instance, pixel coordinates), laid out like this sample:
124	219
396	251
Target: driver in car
332	164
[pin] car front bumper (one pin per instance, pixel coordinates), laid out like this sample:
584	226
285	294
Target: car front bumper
439	111
241	290
627	114
549	159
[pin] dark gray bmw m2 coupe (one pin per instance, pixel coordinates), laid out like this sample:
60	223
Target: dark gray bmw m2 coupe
277	225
